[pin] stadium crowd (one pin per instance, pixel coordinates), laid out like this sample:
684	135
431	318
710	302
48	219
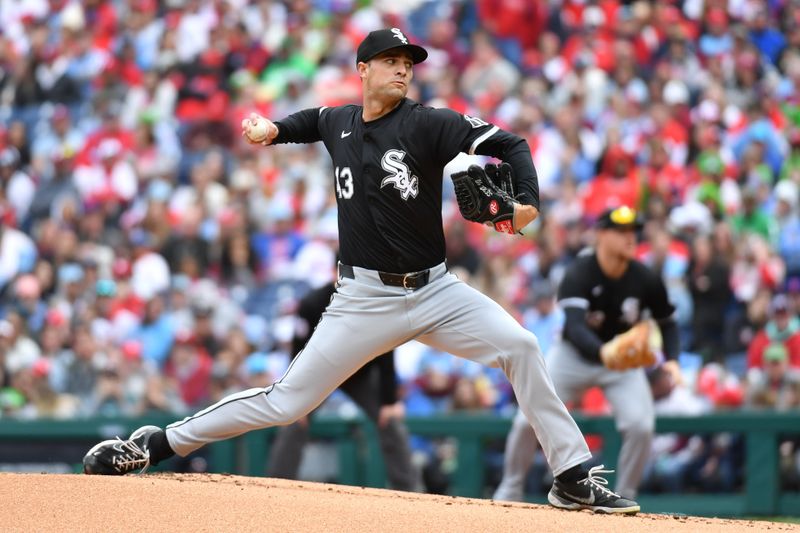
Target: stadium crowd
151	260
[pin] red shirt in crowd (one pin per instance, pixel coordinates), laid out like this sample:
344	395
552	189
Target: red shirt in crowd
618	184
193	378
522	20
755	353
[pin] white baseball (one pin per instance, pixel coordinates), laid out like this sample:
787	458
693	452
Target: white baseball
258	129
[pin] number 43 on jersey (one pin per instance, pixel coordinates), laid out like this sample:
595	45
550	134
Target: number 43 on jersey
344	183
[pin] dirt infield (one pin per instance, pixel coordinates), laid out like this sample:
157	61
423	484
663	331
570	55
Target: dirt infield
171	502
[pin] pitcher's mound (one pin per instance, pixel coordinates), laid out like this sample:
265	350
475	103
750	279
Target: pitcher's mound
175	502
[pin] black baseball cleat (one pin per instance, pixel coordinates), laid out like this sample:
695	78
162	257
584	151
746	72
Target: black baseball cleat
117	457
590	493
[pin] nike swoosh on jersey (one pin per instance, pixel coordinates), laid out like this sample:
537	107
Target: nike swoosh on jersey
346	134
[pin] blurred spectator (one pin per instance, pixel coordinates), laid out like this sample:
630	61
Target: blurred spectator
763	34
60	138
21	352
720	386
787	221
156	332
709	276
717	463
150	274
189	366
256	370
29	305
186	251
756	267
41	401
753	220
775	385
238	262
76	371
670	258
545	319
277	244
203	331
58	187
430	393
18	186
783	327
488	77
617	184
717	40
107	176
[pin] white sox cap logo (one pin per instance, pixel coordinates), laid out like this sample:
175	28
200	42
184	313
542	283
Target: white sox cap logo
399	34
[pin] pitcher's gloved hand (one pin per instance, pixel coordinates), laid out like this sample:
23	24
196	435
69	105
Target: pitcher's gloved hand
502	177
480	200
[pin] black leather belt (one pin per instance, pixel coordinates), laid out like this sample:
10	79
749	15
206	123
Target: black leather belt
412	280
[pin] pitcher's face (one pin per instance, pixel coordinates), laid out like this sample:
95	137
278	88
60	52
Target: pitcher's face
387	75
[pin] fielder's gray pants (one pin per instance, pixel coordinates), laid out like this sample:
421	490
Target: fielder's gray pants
367	318
364	388
628	393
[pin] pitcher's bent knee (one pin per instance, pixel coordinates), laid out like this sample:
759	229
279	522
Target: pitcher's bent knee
522	344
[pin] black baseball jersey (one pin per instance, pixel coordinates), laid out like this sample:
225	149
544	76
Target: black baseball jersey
388	175
608	306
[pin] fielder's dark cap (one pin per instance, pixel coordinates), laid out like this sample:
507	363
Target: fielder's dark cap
622	217
381	40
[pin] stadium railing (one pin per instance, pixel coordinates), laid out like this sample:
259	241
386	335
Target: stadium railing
57	446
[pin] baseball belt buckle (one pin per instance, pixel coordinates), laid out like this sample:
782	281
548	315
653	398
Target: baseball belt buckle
411	275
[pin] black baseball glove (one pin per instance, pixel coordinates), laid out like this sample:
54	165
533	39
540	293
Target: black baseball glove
480	200
502	176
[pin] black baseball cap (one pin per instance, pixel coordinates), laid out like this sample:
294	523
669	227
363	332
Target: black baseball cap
381	40
622	217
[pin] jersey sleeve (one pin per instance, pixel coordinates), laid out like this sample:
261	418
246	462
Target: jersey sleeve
573	291
573	297
455	133
300	127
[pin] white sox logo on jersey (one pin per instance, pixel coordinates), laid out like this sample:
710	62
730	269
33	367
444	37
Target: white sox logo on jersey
399	34
400	177
630	310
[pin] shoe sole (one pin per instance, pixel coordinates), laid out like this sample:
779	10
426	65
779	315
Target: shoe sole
561	503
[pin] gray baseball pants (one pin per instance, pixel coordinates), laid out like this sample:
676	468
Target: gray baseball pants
628	393
367	318
364	389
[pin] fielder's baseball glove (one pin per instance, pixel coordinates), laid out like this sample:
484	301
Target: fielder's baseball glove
480	200
631	349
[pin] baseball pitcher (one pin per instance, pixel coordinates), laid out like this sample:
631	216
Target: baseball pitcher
388	158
